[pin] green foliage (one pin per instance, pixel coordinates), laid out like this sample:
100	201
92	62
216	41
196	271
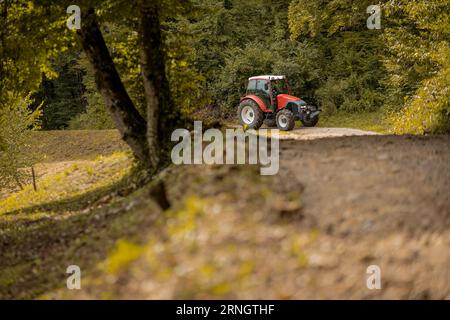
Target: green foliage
429	110
95	116
123	44
186	83
30	37
122	41
16	123
353	73
213	46
418	62
299	62
62	97
350	67
327	17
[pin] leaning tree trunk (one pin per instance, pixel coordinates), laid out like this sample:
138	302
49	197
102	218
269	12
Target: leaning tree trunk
161	115
131	125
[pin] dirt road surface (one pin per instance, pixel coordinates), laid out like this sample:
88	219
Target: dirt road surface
382	200
318	133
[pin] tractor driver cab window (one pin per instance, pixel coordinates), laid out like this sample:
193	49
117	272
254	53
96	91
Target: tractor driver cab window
251	87
262	86
262	91
280	86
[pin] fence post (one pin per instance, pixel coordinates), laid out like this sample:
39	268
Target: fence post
34	178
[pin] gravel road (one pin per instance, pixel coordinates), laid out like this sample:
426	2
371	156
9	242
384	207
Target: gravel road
382	200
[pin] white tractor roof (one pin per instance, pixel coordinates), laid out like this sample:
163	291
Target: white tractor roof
267	77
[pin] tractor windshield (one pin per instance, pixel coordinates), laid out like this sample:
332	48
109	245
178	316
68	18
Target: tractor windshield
280	86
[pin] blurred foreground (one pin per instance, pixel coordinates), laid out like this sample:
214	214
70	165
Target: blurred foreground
337	206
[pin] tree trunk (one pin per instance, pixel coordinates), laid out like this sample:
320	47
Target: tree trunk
161	115
131	125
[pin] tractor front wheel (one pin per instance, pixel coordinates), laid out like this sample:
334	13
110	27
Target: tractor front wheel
285	120
311	122
250	114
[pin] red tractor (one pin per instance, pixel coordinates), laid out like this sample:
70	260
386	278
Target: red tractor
269	98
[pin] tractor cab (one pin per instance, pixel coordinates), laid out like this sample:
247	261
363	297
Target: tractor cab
268	88
272	95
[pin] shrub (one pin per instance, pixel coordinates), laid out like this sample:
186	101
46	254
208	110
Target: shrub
429	110
16	123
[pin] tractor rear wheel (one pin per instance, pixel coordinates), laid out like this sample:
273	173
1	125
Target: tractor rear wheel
285	120
250	114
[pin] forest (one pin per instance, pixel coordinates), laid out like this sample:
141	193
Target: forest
210	47
135	70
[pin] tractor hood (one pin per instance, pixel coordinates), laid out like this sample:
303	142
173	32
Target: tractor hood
283	99
287	96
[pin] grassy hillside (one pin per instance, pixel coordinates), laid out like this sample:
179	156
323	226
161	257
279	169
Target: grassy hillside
80	171
68	145
60	151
